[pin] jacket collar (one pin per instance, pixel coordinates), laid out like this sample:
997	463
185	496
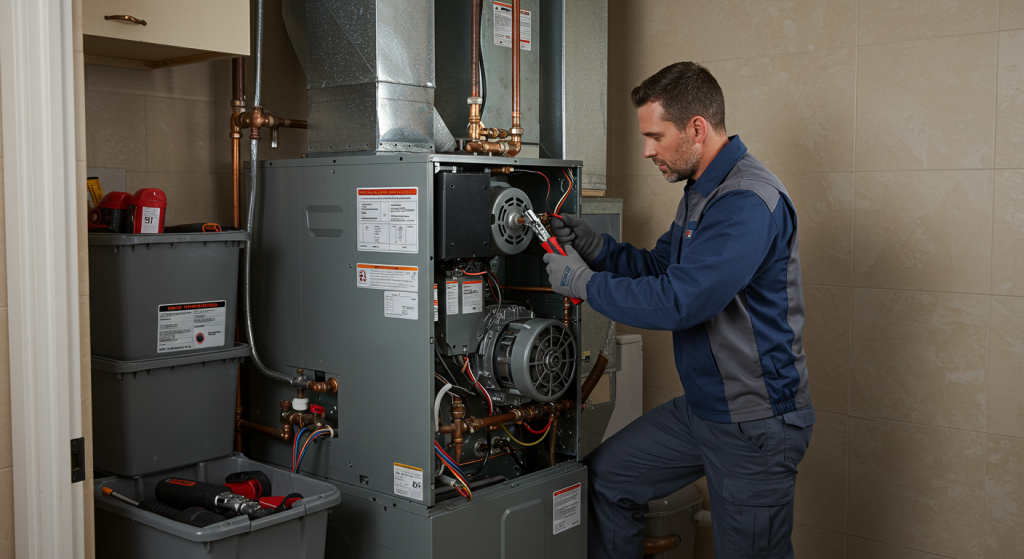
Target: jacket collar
719	167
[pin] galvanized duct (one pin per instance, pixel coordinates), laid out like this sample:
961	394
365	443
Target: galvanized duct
370	75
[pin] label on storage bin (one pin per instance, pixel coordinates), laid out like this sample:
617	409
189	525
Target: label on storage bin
566	508
408	481
503	26
387	219
184	326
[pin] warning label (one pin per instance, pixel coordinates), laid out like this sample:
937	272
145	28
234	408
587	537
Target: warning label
381	276
503	26
387	219
451	297
473	296
400	304
408	481
184	326
566	508
435	302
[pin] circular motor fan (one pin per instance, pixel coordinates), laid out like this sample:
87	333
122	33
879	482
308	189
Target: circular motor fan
536	357
510	234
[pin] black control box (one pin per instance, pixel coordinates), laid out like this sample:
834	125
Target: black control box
462	215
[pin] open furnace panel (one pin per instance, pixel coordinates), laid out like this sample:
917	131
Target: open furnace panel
412	283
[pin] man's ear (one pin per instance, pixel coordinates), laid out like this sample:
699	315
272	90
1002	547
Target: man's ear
698	129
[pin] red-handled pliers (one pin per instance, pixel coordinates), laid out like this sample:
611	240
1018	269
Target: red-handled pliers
547	242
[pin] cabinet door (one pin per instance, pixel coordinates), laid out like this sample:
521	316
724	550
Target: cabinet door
216	26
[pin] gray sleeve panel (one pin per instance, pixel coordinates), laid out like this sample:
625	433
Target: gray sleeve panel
795	317
734	347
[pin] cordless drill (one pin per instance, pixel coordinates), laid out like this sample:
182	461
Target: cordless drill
179	492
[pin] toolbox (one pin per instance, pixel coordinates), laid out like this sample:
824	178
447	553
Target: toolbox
299	533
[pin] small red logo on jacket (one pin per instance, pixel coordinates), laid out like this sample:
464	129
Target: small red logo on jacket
689	233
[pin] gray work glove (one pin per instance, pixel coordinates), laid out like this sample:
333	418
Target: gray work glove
568	274
571	229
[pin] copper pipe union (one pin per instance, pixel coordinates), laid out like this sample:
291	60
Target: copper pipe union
328	387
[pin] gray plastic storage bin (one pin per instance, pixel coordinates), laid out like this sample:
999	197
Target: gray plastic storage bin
158	414
124	531
673	515
187	283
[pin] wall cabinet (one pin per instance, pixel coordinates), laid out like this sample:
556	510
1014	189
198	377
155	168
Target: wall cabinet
150	34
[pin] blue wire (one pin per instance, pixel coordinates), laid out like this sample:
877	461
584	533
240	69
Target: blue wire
314	436
295	447
450	463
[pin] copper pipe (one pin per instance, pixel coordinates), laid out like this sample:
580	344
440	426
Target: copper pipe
554	436
474	70
516	415
237	106
654	545
527	288
595	375
566	312
283	434
329	387
478	460
458	411
516	131
506	170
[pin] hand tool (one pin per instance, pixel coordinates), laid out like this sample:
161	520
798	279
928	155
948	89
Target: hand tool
187	493
547	242
193	516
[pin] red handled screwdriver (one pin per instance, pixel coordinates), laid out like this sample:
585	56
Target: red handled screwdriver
549	243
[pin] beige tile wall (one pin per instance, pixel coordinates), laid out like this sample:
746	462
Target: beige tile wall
898	128
169	128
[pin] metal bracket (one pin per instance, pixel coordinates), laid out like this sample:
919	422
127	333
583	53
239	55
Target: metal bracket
78	460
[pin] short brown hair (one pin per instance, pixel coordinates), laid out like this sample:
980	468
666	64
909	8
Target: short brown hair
685	90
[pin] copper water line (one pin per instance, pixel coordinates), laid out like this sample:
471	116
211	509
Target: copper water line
516	415
554	436
527	288
237	107
283	434
566	312
516	131
475	101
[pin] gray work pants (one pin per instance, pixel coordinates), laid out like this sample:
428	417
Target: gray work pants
750	466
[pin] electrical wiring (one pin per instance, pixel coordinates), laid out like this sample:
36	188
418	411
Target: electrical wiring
565	196
437	403
312	437
454	469
538	432
521	443
547	205
487	455
295	446
469	373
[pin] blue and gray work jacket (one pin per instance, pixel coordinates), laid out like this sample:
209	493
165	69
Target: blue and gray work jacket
725	279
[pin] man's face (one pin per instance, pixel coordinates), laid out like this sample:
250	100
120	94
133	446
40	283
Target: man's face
674	151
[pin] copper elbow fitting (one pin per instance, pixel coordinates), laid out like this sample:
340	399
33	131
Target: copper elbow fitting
328	387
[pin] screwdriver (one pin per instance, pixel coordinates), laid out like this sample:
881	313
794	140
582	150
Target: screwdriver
547	242
193	516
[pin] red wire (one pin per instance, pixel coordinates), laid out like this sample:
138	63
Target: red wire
547	199
559	208
469	372
542	431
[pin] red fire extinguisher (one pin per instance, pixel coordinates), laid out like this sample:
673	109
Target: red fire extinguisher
149	206
112	213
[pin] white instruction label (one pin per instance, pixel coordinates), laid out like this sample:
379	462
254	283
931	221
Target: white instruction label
387	219
435	302
190	326
503	26
408	481
150	220
381	276
451	297
400	304
566	508
472	296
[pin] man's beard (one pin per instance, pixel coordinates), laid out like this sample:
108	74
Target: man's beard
683	169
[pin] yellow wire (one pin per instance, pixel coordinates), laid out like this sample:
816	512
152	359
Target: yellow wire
521	443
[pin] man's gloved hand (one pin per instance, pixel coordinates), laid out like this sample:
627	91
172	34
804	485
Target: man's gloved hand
568	274
571	229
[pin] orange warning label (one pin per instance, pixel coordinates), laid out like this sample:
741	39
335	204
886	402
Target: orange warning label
387	277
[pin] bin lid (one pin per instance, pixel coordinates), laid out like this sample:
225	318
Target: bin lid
684	498
114	366
119	239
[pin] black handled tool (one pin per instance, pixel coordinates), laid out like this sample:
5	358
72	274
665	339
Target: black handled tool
189	493
193	516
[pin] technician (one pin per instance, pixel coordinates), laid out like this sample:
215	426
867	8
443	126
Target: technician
725	279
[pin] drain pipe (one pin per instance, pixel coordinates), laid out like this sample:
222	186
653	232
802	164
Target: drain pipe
254	138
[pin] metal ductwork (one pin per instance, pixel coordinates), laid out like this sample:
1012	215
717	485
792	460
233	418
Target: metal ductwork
370	75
